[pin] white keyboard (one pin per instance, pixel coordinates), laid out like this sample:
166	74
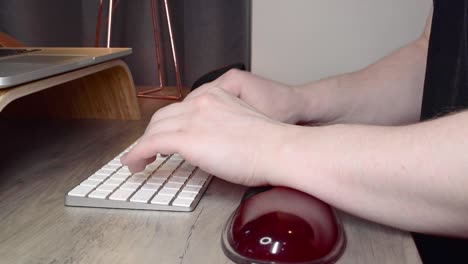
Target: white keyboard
169	183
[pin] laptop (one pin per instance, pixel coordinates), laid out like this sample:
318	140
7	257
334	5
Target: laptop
22	65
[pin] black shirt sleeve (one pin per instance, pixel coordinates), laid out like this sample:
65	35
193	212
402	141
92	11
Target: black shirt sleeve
445	91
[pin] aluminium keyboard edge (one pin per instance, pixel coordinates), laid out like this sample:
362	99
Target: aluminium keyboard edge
76	201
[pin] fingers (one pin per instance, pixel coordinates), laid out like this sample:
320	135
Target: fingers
150	160
137	162
139	165
148	146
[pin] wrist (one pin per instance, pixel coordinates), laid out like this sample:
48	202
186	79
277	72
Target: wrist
288	153
305	158
269	164
321	102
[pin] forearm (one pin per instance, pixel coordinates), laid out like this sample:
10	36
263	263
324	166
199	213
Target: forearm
411	177
388	92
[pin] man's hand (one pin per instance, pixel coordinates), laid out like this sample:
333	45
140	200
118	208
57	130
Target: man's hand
275	100
215	131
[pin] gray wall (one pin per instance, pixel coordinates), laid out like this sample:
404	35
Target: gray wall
329	37
208	33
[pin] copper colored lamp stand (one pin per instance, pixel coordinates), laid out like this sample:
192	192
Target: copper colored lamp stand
151	92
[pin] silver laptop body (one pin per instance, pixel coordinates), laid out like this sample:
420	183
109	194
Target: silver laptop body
38	63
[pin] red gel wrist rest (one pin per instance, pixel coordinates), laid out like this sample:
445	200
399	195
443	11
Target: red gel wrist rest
283	225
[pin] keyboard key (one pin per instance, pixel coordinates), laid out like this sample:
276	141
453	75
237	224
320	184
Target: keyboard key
172	162
151	186
115	182
168	181
193	189
176	179
99	194
98	177
106	187
170	165
123	173
115	162
166	169
80	191
142	196
187	195
92	183
130	186
182	173
196	182
135	180
121	195
182	202
162	199
150	169
106	172
169	192
199	174
162	174
176	156
173	185
153	166
119	176
156	180
187	167
111	167
124	170
141	175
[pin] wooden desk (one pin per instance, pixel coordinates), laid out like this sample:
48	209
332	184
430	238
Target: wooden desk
42	160
104	91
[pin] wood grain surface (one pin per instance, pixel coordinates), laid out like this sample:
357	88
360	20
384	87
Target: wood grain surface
103	91
43	159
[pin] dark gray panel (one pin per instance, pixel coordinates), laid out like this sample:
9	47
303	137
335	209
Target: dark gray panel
208	33
42	23
216	33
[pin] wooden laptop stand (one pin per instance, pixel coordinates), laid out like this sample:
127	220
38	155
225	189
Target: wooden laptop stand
103	91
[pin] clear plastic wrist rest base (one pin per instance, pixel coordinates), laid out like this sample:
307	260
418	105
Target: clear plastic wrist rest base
169	183
282	225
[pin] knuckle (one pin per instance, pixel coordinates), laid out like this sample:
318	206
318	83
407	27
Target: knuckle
205	100
200	90
154	117
163	111
233	74
233	80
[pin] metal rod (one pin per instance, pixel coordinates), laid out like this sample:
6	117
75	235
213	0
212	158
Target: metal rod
147	93
174	56
109	23
156	42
